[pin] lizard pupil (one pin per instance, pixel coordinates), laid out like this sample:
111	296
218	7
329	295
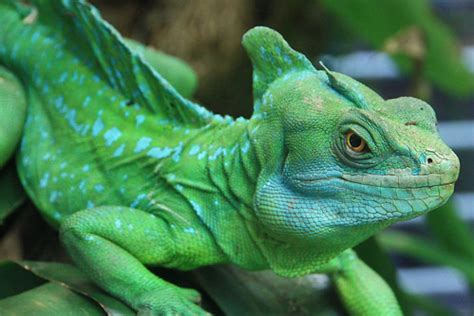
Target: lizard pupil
355	140
355	143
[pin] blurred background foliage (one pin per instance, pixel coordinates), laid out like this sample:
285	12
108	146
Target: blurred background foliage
398	47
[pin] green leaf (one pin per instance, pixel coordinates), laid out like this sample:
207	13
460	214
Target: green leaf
239	292
15	279
450	231
72	278
425	251
11	191
49	299
376	22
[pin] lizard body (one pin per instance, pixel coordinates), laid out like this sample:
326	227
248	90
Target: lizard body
133	173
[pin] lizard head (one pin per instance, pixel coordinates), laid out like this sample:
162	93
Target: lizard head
339	162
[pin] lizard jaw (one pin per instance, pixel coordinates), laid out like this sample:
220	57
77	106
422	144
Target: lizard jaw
402	181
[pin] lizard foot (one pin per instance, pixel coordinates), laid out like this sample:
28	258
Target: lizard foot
175	301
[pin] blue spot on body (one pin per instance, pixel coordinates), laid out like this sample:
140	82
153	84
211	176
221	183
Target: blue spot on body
201	155
118	223
138	199
177	152
44	180
35	36
197	208
216	154
194	150
53	196
246	147
63	77
142	144
112	135
86	102
45	88
97	127
158	153
82	185
86	168
58	102
190	230
119	151
71	118
99	187
139	119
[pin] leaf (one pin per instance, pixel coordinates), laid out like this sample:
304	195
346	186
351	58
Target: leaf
15	279
72	278
239	292
377	24
11	191
49	299
450	231
425	251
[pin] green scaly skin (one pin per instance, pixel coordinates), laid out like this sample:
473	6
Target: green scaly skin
134	174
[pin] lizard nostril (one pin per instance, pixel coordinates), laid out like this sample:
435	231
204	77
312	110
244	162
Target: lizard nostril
429	160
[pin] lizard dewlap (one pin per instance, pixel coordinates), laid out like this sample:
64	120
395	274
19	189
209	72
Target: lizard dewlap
133	174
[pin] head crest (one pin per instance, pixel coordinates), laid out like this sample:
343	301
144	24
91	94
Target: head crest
271	58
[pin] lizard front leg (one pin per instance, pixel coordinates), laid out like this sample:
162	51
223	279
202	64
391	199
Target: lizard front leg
362	290
112	244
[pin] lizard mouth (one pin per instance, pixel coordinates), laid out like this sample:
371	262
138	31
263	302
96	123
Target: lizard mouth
405	182
386	181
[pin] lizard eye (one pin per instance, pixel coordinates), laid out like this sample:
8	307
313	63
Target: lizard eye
355	143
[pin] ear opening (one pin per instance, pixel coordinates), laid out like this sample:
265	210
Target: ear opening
271	58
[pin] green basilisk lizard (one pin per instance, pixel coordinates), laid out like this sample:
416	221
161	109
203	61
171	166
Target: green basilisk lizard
134	174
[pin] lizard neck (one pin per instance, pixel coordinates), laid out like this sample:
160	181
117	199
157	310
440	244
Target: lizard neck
234	167
216	176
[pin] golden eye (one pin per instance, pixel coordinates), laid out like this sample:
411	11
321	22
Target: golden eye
355	143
